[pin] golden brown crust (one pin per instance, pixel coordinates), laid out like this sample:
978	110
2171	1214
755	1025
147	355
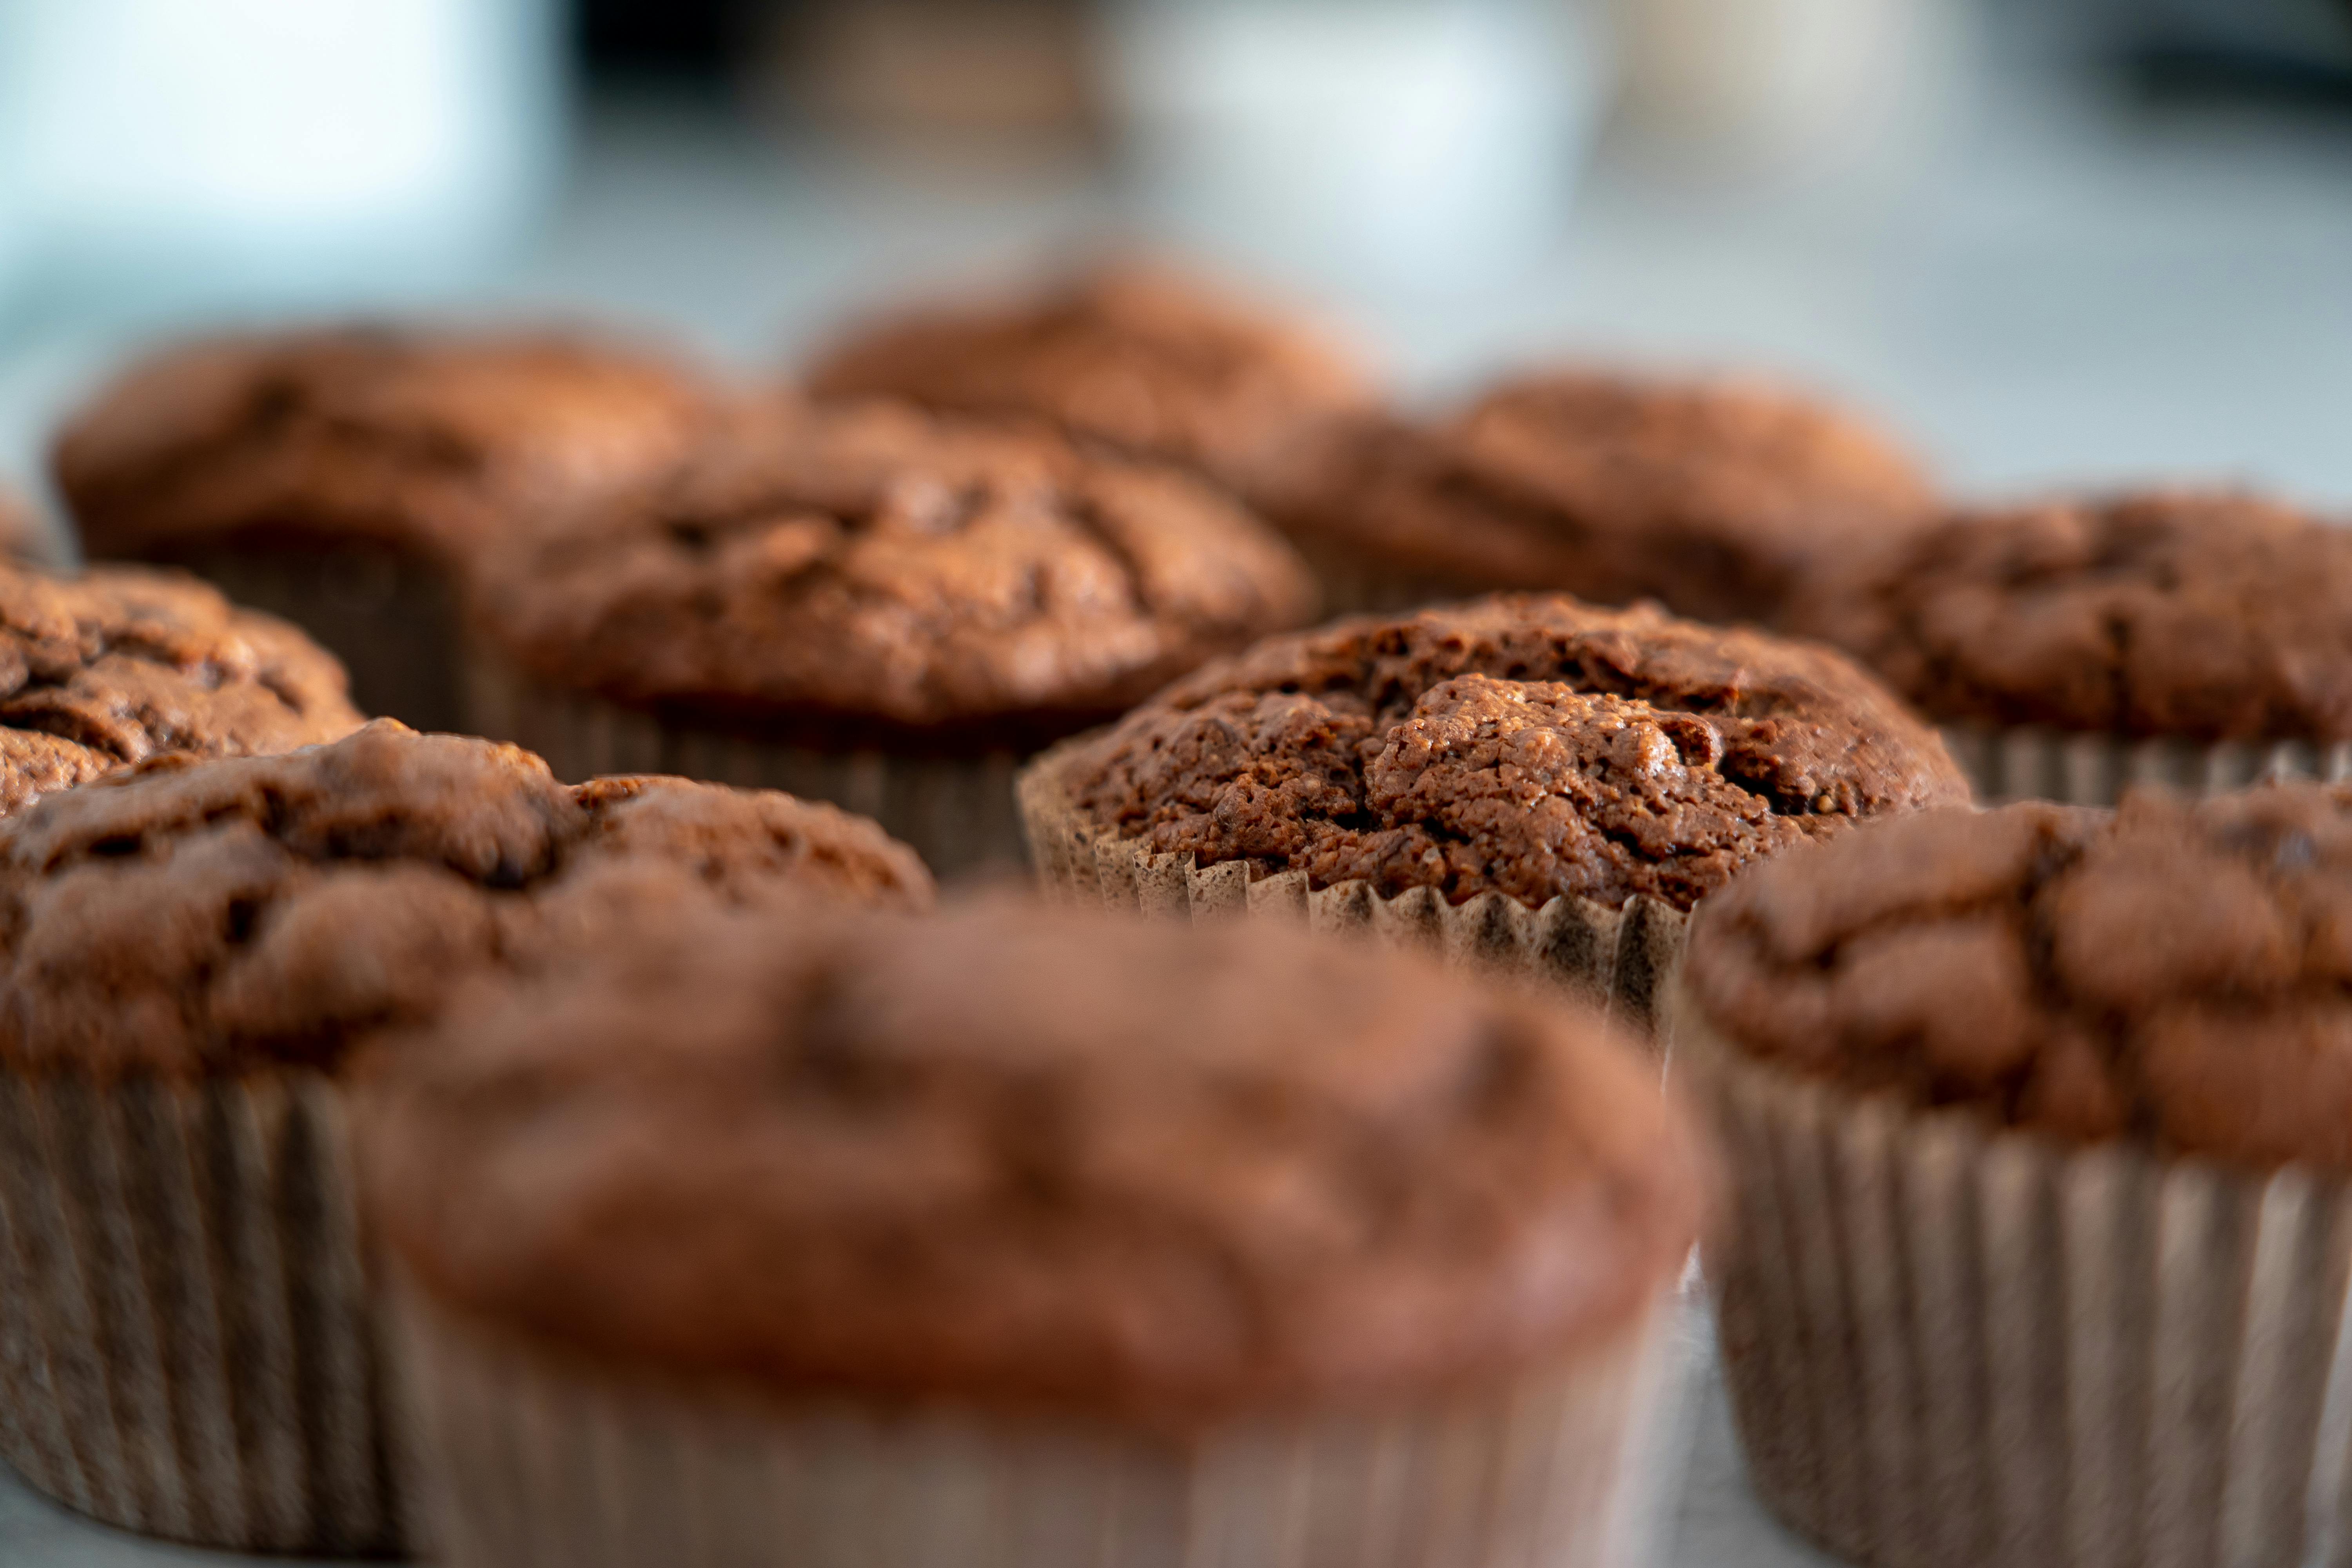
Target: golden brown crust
2173	972
187	919
1016	1158
1524	744
873	566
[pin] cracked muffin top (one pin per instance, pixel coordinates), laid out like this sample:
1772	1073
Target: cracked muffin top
1526	744
2214	615
121	665
189	918
1016	1157
1133	356
2174	971
875	569
1712	497
427	441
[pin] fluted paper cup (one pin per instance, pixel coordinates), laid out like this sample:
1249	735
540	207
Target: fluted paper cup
189	1347
2093	768
1619	959
529	1458
956	811
1949	1343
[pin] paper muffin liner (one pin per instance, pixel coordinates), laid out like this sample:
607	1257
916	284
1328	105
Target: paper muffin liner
389	617
2094	768
528	1458
189	1347
1949	1344
1622	960
956	811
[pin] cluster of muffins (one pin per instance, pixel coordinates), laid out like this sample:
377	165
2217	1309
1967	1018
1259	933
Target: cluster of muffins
597	1141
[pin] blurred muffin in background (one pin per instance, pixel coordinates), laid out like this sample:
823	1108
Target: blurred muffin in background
199	962
1522	779
1713	497
2038	1123
1138	357
1027	1236
340	476
124	664
873	605
2076	645
24	538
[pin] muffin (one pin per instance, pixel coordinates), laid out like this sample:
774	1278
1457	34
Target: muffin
121	665
2039	1128
1523	780
2071	648
23	538
874	606
1020	1235
1714	496
200	961
339	477
1136	357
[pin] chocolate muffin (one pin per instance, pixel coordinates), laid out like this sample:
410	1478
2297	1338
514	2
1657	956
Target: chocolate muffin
2074	647
1070	1218
198	962
123	665
1144	361
1714	496
1546	784
340	476
2040	1123
875	605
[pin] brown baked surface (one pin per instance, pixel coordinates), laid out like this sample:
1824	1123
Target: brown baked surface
189	918
1138	357
1527	744
2210	614
426	441
2174	971
875	566
1712	497
1019	1157
122	664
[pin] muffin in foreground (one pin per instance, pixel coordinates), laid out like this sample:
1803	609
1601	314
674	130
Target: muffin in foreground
2039	1124
1524	780
1025	1237
2197	639
874	606
340	476
121	664
1717	497
200	959
1135	357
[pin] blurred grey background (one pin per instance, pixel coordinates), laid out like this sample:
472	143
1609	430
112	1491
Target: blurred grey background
2056	240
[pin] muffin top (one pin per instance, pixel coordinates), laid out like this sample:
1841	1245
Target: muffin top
1527	744
2208	614
878	569
1023	1157
2173	972
421	440
121	665
1712	497
1145	361
189	919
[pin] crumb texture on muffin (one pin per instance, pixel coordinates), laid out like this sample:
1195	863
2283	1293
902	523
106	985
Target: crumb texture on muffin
1525	744
121	665
187	917
875	564
1024	1158
416	439
2212	616
1712	497
1129	354
2174	971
